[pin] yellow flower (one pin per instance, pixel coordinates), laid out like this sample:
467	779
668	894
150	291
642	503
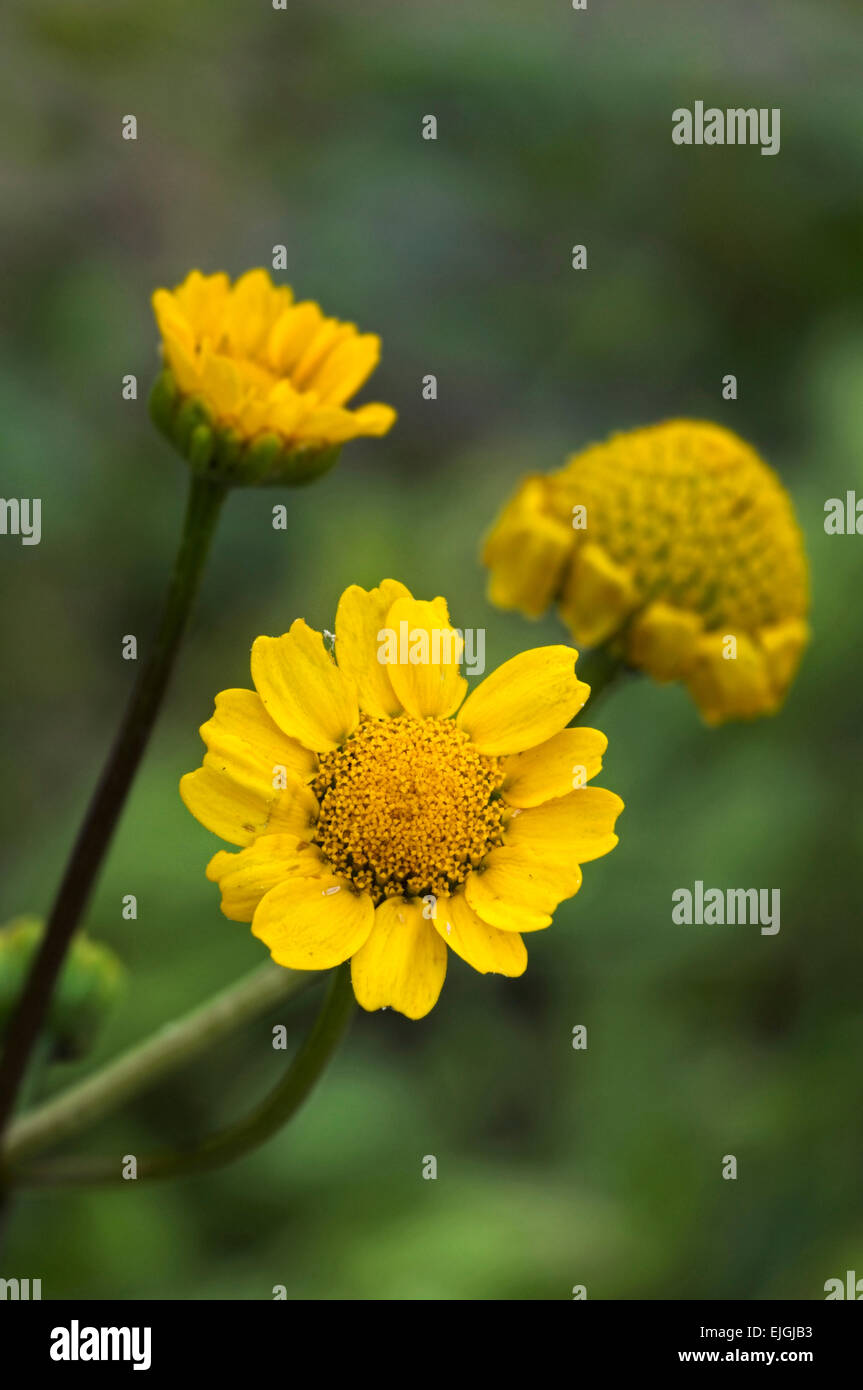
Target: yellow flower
677	547
381	816
256	386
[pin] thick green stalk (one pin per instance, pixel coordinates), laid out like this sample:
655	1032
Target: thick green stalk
230	1143
140	1068
205	500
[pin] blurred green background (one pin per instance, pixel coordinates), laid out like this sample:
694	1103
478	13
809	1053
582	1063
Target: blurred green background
258	127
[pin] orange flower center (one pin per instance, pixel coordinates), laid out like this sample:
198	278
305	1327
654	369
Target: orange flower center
408	807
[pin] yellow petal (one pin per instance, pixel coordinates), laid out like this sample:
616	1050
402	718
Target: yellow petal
252	774
525	701
560	765
730	687
330	334
239	813
295	810
185	365
249	746
403	963
347	367
221	383
254	305
313	923
485	948
374	419
302	688
515	890
360	616
202	299
662	640
281	412
572	829
783	646
291	334
426	652
172	323
526	551
598	595
323	426
335	425
244	878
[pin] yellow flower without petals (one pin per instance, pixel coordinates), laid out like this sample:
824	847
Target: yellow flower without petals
255	386
382	817
676	546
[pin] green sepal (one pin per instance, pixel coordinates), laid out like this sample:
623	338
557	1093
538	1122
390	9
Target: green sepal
201	448
262	458
163	403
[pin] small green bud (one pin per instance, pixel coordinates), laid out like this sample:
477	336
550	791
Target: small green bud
89	985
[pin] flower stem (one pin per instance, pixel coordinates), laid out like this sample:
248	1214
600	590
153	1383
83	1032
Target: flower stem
205	500
140	1068
234	1140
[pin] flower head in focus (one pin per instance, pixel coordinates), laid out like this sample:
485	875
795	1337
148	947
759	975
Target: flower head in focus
381	816
255	386
678	548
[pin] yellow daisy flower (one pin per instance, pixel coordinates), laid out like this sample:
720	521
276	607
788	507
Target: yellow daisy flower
382	816
678	548
256	386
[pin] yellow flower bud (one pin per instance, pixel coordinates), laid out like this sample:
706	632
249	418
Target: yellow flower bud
255	387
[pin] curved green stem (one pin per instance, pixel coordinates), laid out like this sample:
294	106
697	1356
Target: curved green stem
205	500
140	1068
234	1140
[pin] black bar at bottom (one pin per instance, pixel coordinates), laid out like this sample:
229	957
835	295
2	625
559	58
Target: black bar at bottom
83	1339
